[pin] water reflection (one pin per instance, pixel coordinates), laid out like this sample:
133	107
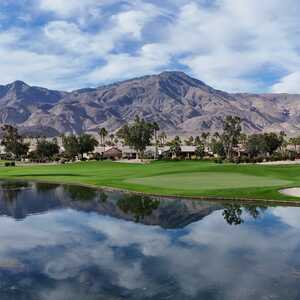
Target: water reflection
138	206
60	245
37	198
233	213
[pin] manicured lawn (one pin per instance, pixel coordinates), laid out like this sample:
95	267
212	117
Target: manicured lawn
207	181
187	178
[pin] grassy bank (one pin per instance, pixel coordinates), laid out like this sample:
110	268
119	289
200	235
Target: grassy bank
187	178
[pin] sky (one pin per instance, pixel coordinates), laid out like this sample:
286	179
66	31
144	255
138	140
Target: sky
233	45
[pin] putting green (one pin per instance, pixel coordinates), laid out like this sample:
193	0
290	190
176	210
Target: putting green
207	181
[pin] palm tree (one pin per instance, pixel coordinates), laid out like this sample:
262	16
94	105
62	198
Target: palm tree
162	138
111	137
156	129
102	133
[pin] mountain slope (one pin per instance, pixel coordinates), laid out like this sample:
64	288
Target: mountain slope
179	103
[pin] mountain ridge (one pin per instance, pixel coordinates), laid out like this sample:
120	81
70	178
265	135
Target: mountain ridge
179	103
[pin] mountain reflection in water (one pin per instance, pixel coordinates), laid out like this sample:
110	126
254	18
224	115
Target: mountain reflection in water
69	242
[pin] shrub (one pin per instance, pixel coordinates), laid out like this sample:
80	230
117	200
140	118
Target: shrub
10	164
291	155
218	160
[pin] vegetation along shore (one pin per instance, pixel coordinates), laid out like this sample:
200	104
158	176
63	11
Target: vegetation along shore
178	178
222	166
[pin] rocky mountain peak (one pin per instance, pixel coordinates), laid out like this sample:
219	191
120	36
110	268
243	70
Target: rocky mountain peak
179	103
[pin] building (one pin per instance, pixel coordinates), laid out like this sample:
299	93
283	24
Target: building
113	153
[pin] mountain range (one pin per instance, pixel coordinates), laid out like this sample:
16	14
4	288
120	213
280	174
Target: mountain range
179	103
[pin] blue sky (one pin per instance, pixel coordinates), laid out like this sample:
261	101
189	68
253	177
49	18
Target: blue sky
234	45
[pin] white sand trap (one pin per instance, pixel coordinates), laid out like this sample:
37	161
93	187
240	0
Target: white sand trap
295	192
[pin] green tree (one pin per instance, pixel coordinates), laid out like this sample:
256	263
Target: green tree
71	146
200	150
273	142
162	137
256	145
46	149
103	134
217	147
295	141
13	142
87	144
231	133
205	138
77	146
137	135
175	146
155	127
243	139
197	140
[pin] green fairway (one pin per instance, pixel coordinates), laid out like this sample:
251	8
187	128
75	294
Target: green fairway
208	181
186	178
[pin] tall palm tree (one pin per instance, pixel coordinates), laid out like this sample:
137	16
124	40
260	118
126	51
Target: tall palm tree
156	129
102	133
111	137
162	138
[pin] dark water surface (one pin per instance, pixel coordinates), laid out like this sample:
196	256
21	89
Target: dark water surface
67	242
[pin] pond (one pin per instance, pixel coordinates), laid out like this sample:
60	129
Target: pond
68	242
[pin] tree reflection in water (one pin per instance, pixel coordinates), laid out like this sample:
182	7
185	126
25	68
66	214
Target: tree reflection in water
138	206
11	189
80	193
233	213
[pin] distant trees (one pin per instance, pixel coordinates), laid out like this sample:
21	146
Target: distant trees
79	145
263	144
200	150
295	141
45	150
103	134
231	133
205	138
162	138
175	146
87	144
13	142
189	141
111	139
155	127
137	135
217	148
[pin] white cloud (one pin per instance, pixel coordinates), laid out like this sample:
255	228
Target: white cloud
288	84
69	7
149	60
231	45
234	41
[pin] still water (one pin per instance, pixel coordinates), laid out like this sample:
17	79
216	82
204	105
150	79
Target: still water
66	242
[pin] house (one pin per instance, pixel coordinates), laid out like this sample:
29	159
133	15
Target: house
113	153
150	152
188	151
129	153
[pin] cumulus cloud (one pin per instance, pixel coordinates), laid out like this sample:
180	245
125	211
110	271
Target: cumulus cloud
288	84
68	8
74	247
231	45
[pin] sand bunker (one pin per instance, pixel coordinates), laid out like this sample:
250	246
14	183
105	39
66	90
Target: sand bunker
295	192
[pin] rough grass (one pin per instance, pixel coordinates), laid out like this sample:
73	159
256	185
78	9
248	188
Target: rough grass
187	178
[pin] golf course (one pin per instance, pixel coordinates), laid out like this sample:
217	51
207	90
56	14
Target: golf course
180	178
